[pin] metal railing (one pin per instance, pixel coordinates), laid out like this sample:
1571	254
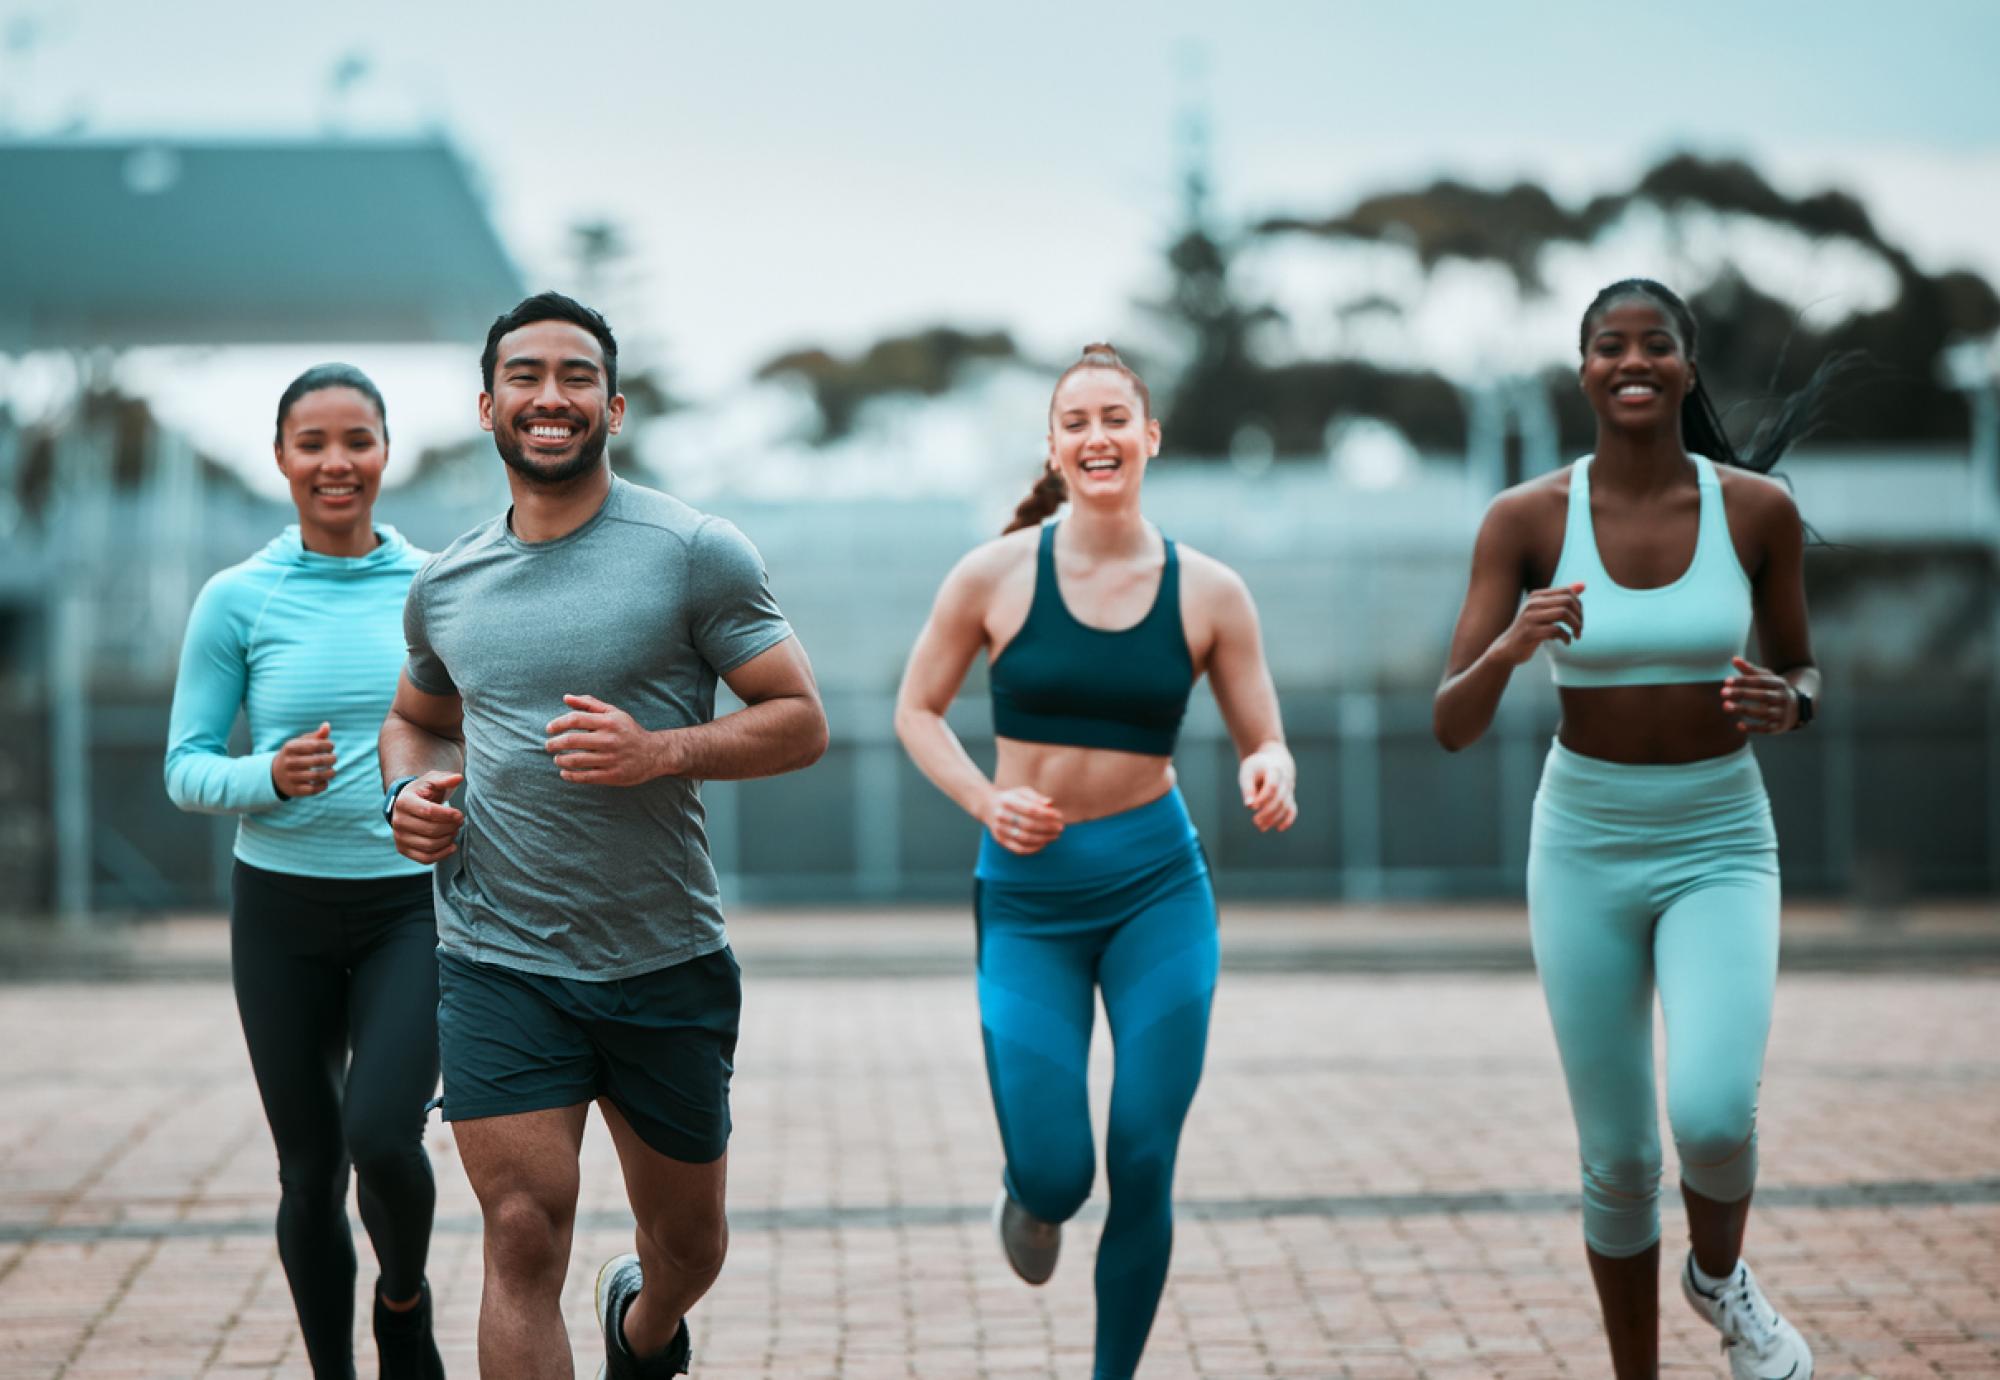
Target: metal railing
1897	789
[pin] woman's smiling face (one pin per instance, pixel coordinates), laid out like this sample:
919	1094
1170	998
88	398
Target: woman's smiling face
332	451
1100	437
1635	370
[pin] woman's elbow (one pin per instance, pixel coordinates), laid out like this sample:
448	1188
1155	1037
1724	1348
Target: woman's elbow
909	720
183	791
1451	737
175	781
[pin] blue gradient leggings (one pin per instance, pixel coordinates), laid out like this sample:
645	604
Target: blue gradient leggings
1644	878
1121	905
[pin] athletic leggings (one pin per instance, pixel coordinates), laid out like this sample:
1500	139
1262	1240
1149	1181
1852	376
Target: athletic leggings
1644	877
1121	905
328	968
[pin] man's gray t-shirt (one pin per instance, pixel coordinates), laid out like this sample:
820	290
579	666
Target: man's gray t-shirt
643	606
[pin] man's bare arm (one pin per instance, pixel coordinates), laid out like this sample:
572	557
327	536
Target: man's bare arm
781	728
423	732
424	737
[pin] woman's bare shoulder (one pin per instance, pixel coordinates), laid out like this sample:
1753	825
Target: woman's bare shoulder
991	562
1205	578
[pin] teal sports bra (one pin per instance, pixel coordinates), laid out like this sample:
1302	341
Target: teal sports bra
1062	681
1678	633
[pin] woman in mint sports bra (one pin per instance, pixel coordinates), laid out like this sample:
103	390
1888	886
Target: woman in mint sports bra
1090	877
332	939
1653	864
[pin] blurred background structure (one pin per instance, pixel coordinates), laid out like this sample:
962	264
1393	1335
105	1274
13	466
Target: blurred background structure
1346	376
112	520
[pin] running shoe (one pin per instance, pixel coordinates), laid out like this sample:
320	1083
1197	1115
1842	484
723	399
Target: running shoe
1030	1243
617	1285
1759	1343
404	1341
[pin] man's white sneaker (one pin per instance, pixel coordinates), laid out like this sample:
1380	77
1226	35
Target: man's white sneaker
1759	1343
618	1283
1030	1243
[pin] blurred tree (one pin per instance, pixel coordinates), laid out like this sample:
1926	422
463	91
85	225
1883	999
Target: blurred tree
1754	347
598	248
101	408
1449	219
1220	390
602	274
927	362
1214	395
607	279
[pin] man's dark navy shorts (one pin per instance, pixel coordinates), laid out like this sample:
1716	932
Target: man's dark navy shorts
659	1046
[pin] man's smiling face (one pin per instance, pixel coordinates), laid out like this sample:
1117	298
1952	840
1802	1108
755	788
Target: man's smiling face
549	412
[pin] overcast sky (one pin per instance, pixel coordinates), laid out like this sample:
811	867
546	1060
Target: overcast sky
798	173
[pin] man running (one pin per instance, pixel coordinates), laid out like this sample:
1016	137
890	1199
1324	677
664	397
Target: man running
562	665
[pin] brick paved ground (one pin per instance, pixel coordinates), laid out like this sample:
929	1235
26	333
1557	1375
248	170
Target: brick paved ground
1377	1181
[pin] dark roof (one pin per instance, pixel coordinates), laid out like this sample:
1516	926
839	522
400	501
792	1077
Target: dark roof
130	242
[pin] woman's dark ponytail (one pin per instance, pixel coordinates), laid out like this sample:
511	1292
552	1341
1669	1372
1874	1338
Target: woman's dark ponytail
1051	491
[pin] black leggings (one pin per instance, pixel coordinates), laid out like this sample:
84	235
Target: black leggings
324	967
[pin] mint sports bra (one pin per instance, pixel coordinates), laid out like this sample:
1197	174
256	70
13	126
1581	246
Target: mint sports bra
1680	632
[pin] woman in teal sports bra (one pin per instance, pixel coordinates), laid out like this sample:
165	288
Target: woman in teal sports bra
1090	878
1653	864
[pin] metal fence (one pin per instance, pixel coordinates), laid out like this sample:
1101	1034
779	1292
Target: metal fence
1887	796
1895	791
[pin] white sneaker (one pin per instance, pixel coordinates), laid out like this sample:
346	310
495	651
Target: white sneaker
1759	1343
1030	1243
618	1283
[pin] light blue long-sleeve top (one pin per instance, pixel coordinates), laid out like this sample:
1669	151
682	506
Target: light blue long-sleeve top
295	639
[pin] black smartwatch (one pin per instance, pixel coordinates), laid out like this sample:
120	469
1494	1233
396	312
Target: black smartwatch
389	800
1805	704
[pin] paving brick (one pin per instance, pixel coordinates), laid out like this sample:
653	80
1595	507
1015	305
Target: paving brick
1337	1185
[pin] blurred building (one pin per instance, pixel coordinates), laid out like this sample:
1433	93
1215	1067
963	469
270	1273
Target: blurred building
108	521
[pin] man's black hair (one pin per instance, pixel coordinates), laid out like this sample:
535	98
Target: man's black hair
551	306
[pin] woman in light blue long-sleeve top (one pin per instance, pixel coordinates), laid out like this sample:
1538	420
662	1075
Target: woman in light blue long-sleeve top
332	935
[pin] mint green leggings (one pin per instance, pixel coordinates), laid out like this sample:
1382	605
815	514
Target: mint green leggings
1644	878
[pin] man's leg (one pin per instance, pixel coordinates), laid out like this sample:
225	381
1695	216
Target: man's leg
683	1233
667	1042
524	1170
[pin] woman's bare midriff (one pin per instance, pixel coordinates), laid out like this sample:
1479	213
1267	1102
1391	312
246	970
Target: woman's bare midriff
1085	783
1648	725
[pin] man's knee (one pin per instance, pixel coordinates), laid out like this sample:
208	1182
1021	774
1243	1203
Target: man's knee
693	1248
527	1238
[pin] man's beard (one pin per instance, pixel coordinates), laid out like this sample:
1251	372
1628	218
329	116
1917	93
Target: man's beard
587	457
